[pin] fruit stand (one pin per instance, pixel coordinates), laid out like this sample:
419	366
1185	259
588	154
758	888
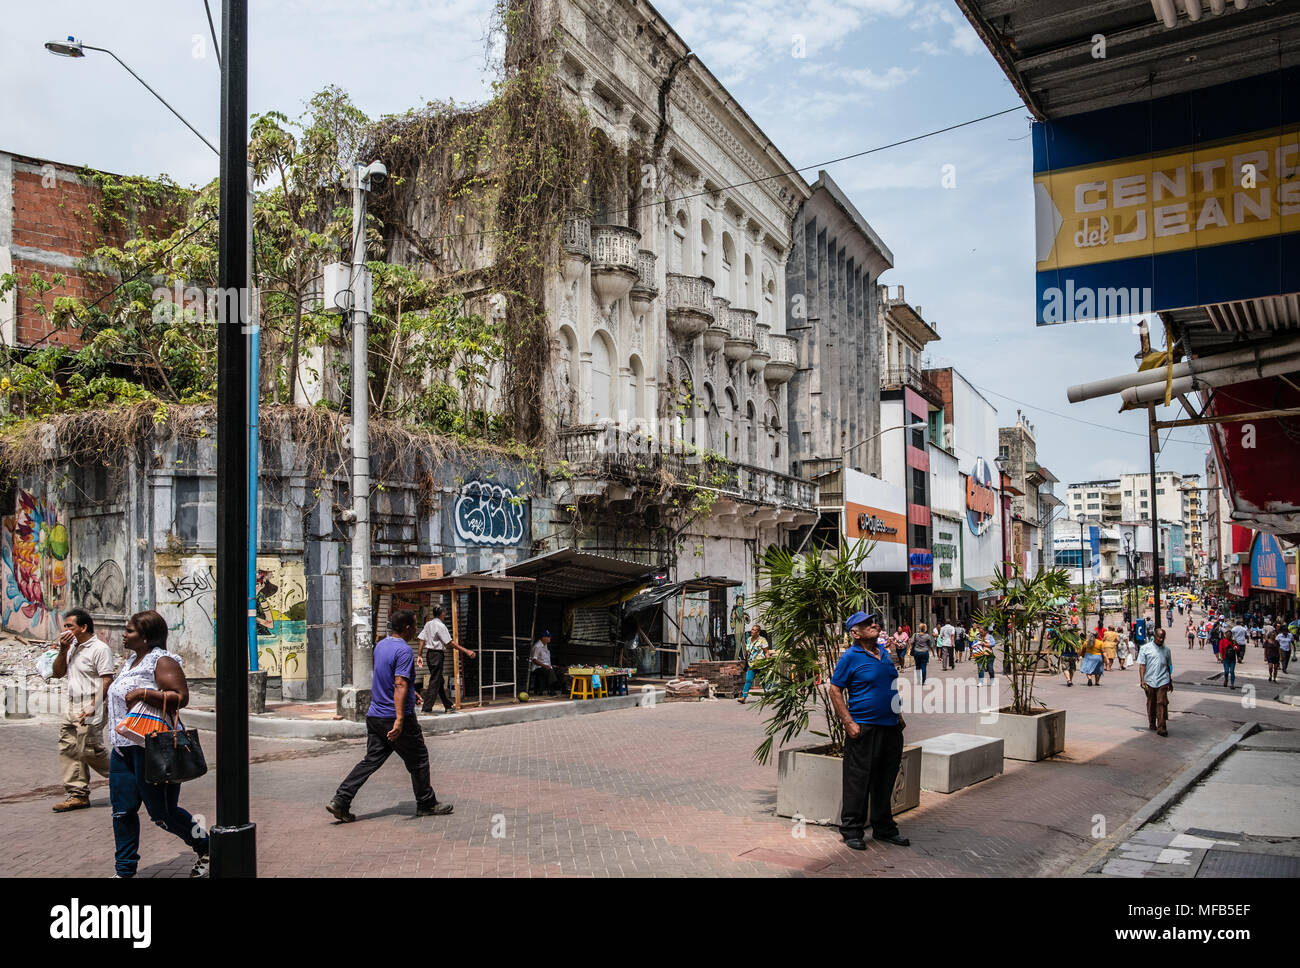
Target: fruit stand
597	682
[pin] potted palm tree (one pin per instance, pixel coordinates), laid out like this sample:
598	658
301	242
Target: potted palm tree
1021	616
801	603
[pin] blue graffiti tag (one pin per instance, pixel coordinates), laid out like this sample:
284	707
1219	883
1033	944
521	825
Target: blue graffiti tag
488	514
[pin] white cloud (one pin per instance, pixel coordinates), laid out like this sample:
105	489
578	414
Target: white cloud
933	17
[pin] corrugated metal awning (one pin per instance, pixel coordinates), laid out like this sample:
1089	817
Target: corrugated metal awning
572	574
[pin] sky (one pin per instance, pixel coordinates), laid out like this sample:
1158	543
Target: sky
822	79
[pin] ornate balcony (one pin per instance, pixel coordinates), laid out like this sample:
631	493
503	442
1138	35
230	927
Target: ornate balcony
575	241
741	342
784	361
644	289
690	304
762	351
615	261
608	461
715	337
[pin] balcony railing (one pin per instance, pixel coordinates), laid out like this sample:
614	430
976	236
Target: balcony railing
609	451
577	235
615	247
910	376
645	263
690	304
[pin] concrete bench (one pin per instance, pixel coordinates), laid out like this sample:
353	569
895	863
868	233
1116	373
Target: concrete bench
956	760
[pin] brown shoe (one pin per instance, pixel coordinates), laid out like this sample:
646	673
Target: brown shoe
72	803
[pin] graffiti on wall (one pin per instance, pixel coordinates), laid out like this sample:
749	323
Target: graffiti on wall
186	597
101	590
488	514
34	550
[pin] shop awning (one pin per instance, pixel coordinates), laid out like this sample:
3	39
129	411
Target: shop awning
982	587
570	574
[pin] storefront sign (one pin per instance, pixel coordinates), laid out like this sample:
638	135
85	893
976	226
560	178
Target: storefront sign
981	499
920	563
1133	202
876	511
1267	564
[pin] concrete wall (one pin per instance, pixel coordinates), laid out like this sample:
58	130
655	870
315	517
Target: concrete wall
142	535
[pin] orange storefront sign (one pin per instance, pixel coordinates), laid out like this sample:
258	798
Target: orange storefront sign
874	524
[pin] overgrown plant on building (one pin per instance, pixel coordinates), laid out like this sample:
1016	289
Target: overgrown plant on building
801	603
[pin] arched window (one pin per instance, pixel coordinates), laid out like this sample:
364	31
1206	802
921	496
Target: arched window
723	279
636	390
712	419
706	250
769	301
677	259
747	297
731	419
751	434
602	383
567	377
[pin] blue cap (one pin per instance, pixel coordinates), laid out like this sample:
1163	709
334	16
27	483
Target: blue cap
858	618
545	634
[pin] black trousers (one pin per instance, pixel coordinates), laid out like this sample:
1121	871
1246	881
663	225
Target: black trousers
409	745
546	676
871	765
436	688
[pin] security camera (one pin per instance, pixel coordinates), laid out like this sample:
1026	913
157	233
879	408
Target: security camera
374	175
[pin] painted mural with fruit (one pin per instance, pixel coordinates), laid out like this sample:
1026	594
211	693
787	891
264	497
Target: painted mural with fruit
34	565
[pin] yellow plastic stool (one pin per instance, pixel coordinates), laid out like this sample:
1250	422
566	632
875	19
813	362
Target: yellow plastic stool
581	688
601	691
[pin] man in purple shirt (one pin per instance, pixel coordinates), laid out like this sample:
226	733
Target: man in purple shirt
391	726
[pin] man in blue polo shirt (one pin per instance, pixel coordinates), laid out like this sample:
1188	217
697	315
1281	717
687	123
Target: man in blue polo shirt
864	695
391	726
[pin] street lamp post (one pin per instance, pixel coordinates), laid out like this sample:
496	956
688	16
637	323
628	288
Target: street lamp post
1083	582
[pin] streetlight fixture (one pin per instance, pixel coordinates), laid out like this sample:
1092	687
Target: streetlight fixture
917	425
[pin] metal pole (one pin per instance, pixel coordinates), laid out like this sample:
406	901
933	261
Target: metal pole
363	643
234	845
1083	621
254	400
1155	520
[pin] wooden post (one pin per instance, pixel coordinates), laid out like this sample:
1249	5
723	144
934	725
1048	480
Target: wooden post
455	653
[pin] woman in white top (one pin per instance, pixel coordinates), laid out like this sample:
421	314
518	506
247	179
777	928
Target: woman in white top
153	675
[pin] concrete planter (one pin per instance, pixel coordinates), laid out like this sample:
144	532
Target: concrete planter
1031	738
810	784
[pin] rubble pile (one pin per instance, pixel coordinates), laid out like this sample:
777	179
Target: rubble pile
726	677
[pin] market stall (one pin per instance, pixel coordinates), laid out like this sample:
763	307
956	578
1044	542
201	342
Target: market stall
488	614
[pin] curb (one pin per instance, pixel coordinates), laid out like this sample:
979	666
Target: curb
1157	805
1291	695
273	727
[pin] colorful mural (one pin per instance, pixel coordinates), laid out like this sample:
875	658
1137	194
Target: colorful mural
186	598
34	550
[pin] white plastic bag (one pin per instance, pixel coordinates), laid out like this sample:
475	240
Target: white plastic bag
45	664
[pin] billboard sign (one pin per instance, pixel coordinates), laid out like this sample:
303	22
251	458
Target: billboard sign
1267	564
876	511
981	498
1187	200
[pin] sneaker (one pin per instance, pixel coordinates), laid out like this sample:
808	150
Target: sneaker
339	810
436	810
72	803
200	868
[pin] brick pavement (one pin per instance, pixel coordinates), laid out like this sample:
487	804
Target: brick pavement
668	791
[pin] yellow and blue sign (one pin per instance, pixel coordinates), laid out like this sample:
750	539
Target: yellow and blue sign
1189	200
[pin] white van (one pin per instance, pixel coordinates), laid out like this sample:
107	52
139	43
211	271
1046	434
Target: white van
1111	598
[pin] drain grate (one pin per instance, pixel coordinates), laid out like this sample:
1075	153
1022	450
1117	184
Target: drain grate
1237	863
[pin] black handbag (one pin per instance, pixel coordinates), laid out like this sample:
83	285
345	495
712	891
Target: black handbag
173	755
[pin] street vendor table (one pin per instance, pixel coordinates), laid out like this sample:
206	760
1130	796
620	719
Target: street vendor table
611	684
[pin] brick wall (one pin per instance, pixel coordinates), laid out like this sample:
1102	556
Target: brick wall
46	227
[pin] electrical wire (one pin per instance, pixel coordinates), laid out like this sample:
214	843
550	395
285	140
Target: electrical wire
1090	423
216	48
753	181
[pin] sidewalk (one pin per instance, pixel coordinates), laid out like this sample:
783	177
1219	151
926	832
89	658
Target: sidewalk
669	790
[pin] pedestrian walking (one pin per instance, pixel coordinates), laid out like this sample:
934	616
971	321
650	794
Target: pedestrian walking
1069	657
1272	656
864	693
900	648
946	635
959	640
87	663
1285	641
1092	660
1228	656
1156	676
1239	633
982	652
758	648
436	637
1109	646
921	643
391	726
154	676
1191	633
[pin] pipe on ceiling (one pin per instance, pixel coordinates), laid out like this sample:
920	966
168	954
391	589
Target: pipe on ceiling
1227	376
1101	388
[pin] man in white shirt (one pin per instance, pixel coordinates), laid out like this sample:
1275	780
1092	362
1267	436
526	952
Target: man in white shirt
88	665
1239	634
436	638
1156	677
540	661
946	634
